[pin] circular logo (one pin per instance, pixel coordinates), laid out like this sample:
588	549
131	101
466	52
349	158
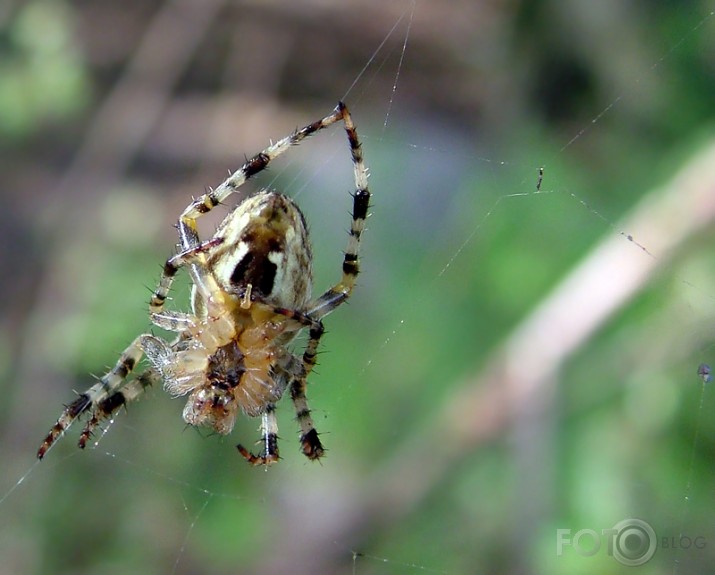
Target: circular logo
635	542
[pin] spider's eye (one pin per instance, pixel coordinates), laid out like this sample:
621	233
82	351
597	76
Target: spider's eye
260	272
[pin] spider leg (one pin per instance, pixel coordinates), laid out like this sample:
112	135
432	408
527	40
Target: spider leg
310	443
192	255
105	408
252	166
298	371
173	320
269	438
106	387
341	291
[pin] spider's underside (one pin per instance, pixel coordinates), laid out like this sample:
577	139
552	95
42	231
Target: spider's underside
251	296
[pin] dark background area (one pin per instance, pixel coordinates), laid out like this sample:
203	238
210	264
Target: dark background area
513	362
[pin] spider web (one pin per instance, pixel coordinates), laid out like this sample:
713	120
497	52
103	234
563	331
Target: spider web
464	437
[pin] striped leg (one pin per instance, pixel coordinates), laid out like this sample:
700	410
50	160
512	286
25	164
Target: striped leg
191	255
298	371
101	391
253	166
336	295
340	292
105	408
310	443
269	438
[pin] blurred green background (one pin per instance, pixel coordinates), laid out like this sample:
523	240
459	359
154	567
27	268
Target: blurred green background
460	437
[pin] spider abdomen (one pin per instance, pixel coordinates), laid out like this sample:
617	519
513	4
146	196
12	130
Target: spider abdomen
265	245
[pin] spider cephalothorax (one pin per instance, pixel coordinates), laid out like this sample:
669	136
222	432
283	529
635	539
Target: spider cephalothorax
251	295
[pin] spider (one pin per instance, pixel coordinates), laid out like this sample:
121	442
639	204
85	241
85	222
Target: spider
251	296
